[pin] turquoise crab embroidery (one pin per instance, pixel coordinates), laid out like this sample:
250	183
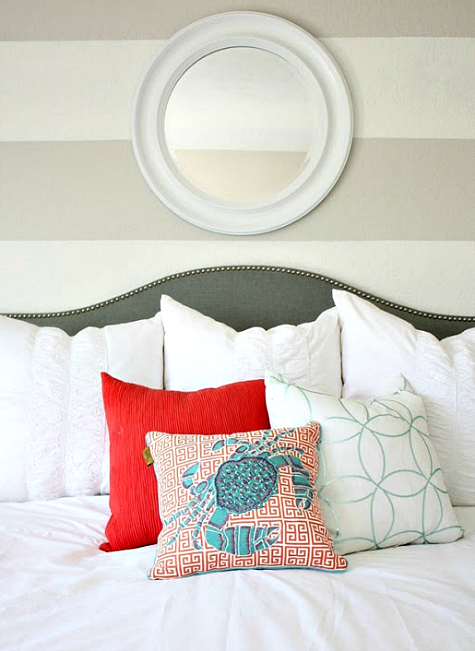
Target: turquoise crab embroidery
242	483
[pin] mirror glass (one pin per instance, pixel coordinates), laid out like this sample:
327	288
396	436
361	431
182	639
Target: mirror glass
240	125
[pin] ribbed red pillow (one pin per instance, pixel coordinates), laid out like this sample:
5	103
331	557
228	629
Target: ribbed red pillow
134	410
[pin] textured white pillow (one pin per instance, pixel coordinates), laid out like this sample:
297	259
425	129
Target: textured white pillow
377	345
201	352
53	434
379	482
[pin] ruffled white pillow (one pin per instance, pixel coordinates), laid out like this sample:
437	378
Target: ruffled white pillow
376	346
53	435
201	352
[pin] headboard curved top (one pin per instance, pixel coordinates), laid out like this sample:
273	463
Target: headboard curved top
240	296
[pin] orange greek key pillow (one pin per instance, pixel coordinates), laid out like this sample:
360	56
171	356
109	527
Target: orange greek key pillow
242	501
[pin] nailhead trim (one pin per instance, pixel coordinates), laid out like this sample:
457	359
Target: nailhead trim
207	270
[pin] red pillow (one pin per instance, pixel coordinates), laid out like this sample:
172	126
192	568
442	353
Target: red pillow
131	412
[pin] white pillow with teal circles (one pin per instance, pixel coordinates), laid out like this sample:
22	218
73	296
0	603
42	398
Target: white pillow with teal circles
380	483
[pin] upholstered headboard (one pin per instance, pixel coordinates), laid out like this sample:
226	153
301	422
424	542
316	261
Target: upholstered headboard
240	296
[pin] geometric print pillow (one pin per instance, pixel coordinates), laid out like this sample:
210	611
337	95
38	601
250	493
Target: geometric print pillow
240	501
380	483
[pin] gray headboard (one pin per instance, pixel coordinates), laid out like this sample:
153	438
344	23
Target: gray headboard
240	296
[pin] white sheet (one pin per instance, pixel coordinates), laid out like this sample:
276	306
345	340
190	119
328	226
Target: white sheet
58	592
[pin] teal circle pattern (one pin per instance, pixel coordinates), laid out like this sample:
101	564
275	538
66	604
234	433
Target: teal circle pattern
379	483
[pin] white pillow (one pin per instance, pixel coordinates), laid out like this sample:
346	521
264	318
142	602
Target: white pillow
379	482
201	352
53	434
377	345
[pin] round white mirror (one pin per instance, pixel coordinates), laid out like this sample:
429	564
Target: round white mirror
242	124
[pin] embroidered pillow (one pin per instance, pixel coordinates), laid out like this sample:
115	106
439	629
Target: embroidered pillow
133	410
201	352
380	482
237	502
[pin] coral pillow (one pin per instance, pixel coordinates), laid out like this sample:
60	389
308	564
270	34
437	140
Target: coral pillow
131	412
240	502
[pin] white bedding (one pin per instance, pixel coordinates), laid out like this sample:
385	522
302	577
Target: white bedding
58	592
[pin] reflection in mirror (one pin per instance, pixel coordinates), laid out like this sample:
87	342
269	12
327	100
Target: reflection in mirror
240	125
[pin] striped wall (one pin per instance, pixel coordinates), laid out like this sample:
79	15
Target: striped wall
68	73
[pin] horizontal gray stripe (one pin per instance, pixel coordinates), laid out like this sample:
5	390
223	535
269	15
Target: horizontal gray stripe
157	19
389	190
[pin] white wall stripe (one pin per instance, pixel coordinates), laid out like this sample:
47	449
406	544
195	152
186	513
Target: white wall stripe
43	276
83	90
70	90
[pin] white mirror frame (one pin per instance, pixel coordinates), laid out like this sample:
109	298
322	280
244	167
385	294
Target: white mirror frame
323	78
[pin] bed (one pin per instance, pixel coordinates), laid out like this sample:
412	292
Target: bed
59	591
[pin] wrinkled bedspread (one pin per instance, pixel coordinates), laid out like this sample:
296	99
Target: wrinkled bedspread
58	592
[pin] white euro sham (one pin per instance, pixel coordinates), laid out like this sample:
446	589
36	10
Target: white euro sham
53	433
376	346
200	352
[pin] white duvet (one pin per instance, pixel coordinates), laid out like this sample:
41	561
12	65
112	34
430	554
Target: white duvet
58	592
